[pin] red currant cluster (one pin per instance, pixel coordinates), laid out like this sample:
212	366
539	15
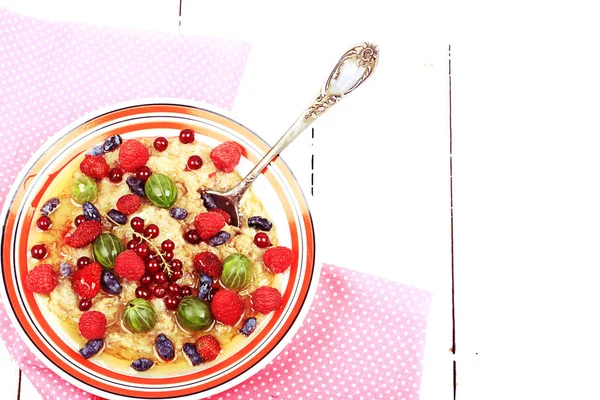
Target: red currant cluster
162	270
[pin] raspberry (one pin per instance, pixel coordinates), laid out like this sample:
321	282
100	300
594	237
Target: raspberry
129	265
223	213
129	203
208	224
86	281
227	307
208	264
94	167
208	347
41	279
92	325
226	156
132	155
278	259
84	234
266	299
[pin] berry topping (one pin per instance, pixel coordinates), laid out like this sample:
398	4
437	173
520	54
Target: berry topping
142	364
115	175
227	307
185	291
176	264
262	241
194	162
168	255
192	237
109	283
112	143
136	186
132	155
167	245
129	265
92	325
79	219
208	347
142	292
153	266
49	206
94	167
39	251
117	216
151	231
137	224
129	204
65	269
260	223
44	223
249	326
208	201
86	281
266	299
142	250
171	302
41	279
160	277
175	275
208	264
96	150
178	213
224	214
160	143
85	304
186	136
164	347
159	291
219	239
146	279
226	156
92	348
83	261
84	234
90	212
208	224
143	173
278	259
191	353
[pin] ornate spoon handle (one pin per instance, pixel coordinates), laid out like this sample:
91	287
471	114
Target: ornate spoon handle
353	68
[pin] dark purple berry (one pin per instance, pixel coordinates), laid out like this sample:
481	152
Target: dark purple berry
206	279
136	186
90	212
142	364
96	150
190	351
260	223
208	201
164	347
204	289
219	239
117	216
91	348
249	326
112	143
178	213
49	207
65	269
109	283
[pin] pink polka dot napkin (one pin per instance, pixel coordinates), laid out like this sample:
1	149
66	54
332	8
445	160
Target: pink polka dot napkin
363	338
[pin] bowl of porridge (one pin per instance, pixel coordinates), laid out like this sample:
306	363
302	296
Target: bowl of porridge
124	277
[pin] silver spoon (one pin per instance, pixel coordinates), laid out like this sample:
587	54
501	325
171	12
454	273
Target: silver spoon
355	66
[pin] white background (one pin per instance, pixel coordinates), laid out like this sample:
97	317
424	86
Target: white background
525	99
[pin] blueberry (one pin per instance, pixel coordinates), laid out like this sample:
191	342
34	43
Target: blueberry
178	213
96	150
50	206
260	223
203	290
65	269
219	239
249	326
164	347
91	348
136	186
142	364
208	201
109	283
90	212
206	279
192	354
112	143
117	216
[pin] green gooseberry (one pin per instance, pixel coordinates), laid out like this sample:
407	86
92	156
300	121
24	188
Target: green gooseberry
106	249
161	190
84	189
237	271
193	314
139	315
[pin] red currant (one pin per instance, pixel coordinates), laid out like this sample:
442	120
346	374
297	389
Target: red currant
160	143
85	304
167	245
137	224
115	175
39	251
175	275
153	266
261	240
159	291
83	261
167	255
186	136
173	289
151	231
79	219
142	292
176	264
142	250
44	223
132	244
146	279
192	237
171	302
143	173
185	291
194	162
160	277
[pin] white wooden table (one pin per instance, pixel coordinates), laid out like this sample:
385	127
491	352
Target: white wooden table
524	102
